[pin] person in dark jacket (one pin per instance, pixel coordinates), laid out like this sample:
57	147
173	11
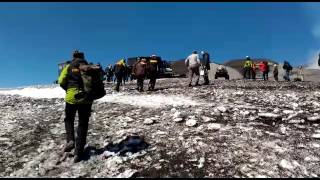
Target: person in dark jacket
275	72
153	67
109	73
205	66
140	72
70	80
287	67
119	70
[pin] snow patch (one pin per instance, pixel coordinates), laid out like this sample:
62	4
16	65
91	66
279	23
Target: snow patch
154	101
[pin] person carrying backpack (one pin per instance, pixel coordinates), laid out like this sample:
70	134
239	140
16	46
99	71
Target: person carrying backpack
109	73
247	68
80	84
119	70
205	66
153	68
140	71
287	67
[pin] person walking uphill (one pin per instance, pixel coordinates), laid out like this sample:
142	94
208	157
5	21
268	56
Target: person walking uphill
119	70
205	66
140	71
153	71
76	101
193	63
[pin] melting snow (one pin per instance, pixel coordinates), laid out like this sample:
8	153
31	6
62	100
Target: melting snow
143	100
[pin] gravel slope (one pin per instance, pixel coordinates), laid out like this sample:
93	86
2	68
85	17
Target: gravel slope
226	129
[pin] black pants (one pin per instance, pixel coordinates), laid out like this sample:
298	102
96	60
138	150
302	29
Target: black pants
152	82
140	83
84	112
275	76
265	76
119	81
247	73
205	76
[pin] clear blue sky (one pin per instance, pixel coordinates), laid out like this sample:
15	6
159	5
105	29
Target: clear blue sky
34	37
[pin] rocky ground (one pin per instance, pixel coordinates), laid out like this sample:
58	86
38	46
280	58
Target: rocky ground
226	129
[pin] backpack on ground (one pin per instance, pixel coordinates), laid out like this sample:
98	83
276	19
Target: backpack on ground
92	83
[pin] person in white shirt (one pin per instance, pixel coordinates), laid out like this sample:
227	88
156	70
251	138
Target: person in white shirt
193	63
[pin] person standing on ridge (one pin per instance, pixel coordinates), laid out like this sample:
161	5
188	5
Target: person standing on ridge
205	66
247	68
287	67
193	63
300	73
71	81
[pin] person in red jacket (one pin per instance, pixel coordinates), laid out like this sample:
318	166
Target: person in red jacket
263	67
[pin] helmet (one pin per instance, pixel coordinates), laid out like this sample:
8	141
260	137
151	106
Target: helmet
194	52
202	52
275	65
153	55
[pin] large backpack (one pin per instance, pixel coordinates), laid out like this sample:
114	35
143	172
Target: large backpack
92	82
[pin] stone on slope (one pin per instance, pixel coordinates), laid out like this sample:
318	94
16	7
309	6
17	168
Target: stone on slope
191	122
268	115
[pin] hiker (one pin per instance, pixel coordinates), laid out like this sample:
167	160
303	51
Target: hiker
247	68
266	71
205	66
287	67
253	70
140	71
300	73
275	72
263	67
125	75
119	70
193	63
102	73
109	73
70	80
153	68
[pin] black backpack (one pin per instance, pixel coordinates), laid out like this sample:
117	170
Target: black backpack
92	82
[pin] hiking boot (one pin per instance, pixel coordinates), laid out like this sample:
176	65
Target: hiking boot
69	146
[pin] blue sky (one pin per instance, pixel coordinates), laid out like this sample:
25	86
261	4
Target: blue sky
34	37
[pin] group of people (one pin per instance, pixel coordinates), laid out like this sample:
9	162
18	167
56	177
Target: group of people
143	68
197	67
140	70
249	70
71	81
